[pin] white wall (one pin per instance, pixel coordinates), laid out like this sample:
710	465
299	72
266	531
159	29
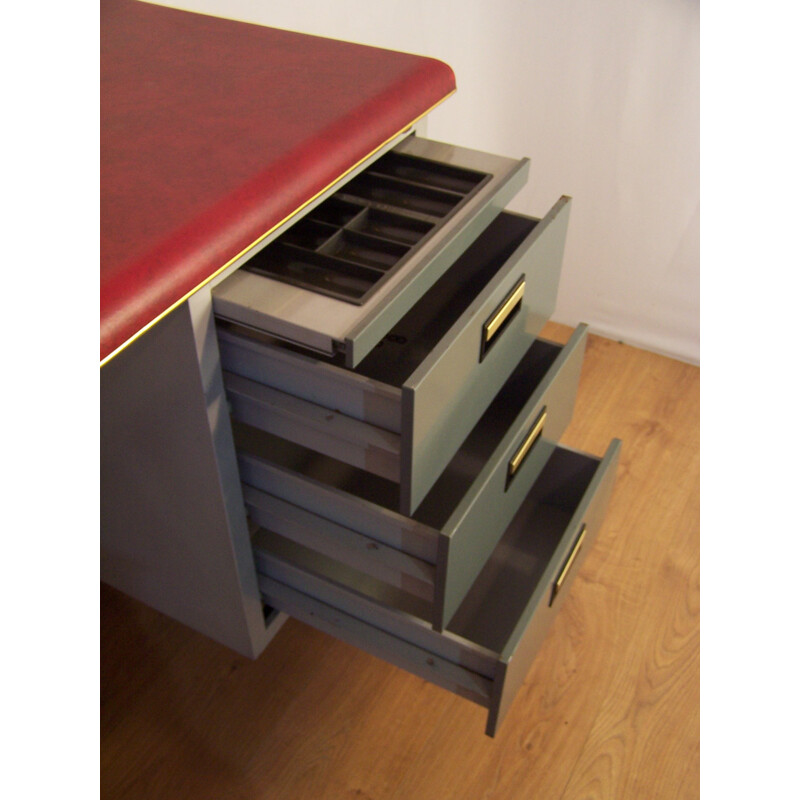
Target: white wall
604	99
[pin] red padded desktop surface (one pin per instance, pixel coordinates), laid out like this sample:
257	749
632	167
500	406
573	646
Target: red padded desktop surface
214	131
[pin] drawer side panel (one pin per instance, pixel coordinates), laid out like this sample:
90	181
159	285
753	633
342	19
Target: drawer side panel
346	509
315	427
360	634
309	379
360	552
378	605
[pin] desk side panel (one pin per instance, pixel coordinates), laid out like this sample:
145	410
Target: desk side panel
173	530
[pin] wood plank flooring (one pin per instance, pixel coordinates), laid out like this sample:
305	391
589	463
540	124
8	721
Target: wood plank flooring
610	708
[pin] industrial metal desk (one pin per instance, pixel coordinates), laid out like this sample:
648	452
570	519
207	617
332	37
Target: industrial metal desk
217	138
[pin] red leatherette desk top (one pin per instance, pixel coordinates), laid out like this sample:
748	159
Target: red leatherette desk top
213	132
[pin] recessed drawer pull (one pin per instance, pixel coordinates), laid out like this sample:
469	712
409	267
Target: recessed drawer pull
527	445
494	325
562	576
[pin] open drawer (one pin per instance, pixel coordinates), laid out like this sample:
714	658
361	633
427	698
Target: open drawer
435	556
488	647
404	411
341	277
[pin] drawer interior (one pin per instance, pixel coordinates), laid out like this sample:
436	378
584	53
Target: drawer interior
351	243
409	342
492	608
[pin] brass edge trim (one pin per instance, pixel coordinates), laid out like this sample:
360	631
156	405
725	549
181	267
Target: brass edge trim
263	236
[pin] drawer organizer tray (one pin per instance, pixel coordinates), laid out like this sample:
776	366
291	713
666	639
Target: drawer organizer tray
341	512
408	406
489	645
341	277
352	243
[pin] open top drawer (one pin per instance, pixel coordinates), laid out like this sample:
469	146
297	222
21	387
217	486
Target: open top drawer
434	556
406	408
489	645
342	276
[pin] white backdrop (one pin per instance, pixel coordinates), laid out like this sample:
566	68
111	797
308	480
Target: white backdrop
604	99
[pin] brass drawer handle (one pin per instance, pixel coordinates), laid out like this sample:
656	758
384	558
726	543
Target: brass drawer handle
562	576
527	444
511	303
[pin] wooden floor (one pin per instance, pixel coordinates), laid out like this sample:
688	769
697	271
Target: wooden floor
610	708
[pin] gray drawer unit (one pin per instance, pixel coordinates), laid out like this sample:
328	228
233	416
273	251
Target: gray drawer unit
339	281
435	556
404	411
396	420
488	646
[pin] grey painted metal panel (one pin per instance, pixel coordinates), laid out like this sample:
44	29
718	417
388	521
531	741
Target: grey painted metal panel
447	394
325	324
173	531
533	625
490	504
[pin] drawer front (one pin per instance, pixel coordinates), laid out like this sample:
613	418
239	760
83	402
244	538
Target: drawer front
488	648
492	501
395	205
435	373
447	394
438	554
544	603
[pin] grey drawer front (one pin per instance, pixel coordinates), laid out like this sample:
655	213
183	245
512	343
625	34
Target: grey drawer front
447	394
429	383
489	505
467	510
330	325
488	648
